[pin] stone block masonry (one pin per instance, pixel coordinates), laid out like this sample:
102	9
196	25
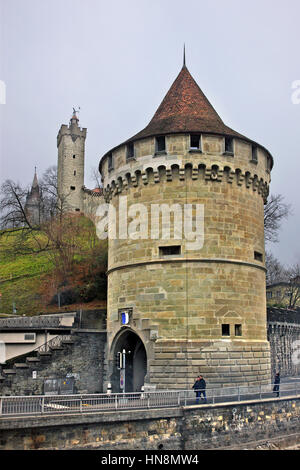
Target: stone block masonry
203	427
84	360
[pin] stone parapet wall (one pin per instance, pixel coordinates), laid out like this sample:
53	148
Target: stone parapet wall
189	428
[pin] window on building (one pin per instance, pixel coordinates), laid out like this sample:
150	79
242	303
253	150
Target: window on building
195	142
229	145
225	329
110	162
74	156
254	153
160	144
238	330
130	151
278	293
169	250
269	295
29	336
77	210
258	256
74	172
72	188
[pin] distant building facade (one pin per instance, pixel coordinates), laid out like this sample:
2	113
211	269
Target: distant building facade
283	293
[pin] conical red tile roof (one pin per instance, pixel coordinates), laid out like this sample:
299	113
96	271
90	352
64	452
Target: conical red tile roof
185	108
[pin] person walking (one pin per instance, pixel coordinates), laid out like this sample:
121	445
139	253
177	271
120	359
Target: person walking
199	388
276	384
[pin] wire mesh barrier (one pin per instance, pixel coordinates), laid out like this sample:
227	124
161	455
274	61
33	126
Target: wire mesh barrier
60	404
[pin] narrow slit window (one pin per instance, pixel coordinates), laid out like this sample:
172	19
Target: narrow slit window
110	162
130	151
254	153
74	156
74	172
238	330
229	145
195	142
161	144
225	329
72	188
169	250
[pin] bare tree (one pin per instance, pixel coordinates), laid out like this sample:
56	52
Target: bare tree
275	211
293	289
12	207
275	270
95	174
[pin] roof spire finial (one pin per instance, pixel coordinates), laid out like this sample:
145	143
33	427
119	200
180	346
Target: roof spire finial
183	54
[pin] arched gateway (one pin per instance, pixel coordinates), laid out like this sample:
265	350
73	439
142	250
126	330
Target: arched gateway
128	372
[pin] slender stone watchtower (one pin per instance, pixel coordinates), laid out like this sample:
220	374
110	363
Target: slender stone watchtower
70	165
189	311
33	206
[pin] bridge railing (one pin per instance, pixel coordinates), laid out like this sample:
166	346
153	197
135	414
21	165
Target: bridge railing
61	404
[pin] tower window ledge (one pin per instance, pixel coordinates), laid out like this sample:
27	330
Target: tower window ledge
110	168
159	152
254	161
128	159
231	154
195	151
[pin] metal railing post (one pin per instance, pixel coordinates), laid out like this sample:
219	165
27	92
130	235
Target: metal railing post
80	404
43	404
239	394
260	392
185	398
148	400
1	402
116	401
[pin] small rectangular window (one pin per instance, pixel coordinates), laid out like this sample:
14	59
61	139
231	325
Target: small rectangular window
229	145
130	151
77	210
110	162
29	336
258	256
169	250
238	330
74	156
195	142
74	172
72	188
225	329
254	153
269	295
160	145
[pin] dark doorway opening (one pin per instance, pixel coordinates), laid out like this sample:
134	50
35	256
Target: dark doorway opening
129	377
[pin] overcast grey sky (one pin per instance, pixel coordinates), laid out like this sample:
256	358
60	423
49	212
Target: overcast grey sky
117	59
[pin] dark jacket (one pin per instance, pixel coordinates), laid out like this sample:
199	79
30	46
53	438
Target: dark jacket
277	379
199	384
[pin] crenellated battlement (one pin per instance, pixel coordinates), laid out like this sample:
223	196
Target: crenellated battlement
152	175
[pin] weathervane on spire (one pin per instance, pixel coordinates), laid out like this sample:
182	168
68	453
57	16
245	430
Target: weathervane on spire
76	111
183	54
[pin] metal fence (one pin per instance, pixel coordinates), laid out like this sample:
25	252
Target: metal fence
36	405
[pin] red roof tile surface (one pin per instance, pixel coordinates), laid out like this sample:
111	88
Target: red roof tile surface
185	109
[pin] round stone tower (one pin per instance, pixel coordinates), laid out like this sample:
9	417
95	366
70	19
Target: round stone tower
182	300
